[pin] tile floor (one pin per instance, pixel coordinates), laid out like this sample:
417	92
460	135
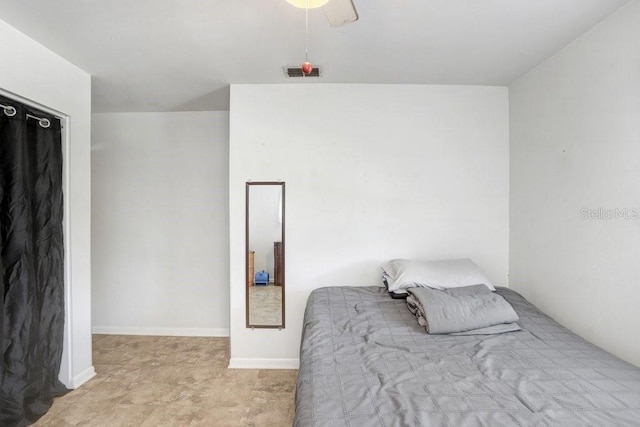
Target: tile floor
174	381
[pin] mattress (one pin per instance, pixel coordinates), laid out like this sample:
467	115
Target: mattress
364	361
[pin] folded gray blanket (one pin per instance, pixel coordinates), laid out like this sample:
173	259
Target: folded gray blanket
470	310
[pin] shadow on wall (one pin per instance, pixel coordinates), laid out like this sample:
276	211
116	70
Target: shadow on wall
218	100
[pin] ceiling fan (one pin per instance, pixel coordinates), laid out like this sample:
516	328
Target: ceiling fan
338	12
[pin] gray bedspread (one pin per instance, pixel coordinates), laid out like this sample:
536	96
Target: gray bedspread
466	310
366	362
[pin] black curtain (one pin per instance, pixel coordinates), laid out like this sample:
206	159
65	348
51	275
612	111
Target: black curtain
31	262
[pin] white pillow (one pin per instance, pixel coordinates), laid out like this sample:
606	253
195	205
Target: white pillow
444	274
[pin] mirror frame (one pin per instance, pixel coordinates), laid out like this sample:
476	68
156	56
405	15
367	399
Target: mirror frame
248	186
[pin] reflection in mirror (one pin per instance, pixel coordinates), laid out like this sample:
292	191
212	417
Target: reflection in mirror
265	254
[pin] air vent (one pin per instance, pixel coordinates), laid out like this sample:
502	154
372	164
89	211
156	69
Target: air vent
297	72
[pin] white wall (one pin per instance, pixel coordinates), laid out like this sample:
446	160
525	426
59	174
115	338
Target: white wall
160	223
31	71
373	172
575	132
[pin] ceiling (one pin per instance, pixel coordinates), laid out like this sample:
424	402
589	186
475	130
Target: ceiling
181	55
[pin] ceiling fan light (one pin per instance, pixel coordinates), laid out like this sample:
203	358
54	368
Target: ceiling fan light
302	4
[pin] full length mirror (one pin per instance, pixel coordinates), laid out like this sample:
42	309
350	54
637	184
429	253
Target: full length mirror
265	254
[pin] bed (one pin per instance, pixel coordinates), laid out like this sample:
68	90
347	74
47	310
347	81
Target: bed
365	361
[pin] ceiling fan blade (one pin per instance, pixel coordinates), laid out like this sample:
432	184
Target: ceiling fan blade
340	12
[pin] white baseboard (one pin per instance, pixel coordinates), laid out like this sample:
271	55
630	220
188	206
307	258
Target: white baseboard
167	332
239	363
83	377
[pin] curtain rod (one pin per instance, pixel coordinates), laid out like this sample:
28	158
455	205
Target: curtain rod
11	111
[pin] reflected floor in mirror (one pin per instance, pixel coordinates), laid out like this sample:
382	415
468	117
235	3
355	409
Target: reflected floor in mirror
265	304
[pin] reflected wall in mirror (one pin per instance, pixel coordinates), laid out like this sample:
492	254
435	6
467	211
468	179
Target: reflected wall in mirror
265	254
